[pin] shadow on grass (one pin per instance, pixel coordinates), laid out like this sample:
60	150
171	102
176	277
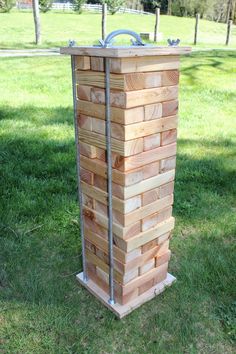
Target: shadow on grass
213	59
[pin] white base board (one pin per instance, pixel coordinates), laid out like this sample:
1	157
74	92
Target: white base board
123	310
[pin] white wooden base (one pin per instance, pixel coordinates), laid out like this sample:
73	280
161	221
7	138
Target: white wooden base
123	310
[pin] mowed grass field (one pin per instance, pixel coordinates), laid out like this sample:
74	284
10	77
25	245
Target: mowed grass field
17	29
42	308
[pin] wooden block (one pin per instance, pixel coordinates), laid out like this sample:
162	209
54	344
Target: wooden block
168	164
151	196
122	178
144	129
95	228
85	122
163	248
151	142
127	148
145	211
168	137
159	272
146	286
102	244
86	176
147	266
149	235
162	274
144	64
101	154
82	63
88	150
164	238
166	189
151	170
136	98
88	201
121	232
149	246
98	126
162	258
146	157
118	115
164	214
84	92
147	184
170	108
97	64
153	111
170	77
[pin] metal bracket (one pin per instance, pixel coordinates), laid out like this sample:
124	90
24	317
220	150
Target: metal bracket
173	42
108	42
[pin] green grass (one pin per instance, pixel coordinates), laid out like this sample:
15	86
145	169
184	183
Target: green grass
43	309
17	29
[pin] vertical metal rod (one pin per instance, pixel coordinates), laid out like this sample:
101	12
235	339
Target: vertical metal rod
109	181
85	277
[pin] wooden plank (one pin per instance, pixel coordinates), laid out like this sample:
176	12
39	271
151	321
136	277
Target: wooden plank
118	230
118	115
122	178
152	220
145	211
144	64
118	204
128	163
85	122
161	271
123	310
96	51
123	82
136	98
126	148
149	235
137	130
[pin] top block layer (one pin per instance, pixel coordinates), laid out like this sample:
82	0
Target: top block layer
125	52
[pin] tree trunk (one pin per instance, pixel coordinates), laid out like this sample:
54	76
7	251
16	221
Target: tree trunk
228	12
169	7
37	25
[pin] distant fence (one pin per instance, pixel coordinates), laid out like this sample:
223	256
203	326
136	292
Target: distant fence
68	6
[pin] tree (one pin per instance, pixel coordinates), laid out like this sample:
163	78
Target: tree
114	5
37	24
77	5
6	5
45	5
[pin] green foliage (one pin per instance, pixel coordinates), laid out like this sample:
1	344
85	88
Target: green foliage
45	5
6	5
114	5
77	5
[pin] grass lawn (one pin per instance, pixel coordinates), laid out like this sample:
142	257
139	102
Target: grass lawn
42	308
17	29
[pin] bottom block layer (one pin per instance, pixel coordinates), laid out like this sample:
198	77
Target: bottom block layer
123	310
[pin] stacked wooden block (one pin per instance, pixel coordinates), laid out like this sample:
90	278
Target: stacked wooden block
144	105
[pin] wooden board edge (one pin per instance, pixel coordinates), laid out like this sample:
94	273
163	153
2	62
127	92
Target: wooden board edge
123	310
